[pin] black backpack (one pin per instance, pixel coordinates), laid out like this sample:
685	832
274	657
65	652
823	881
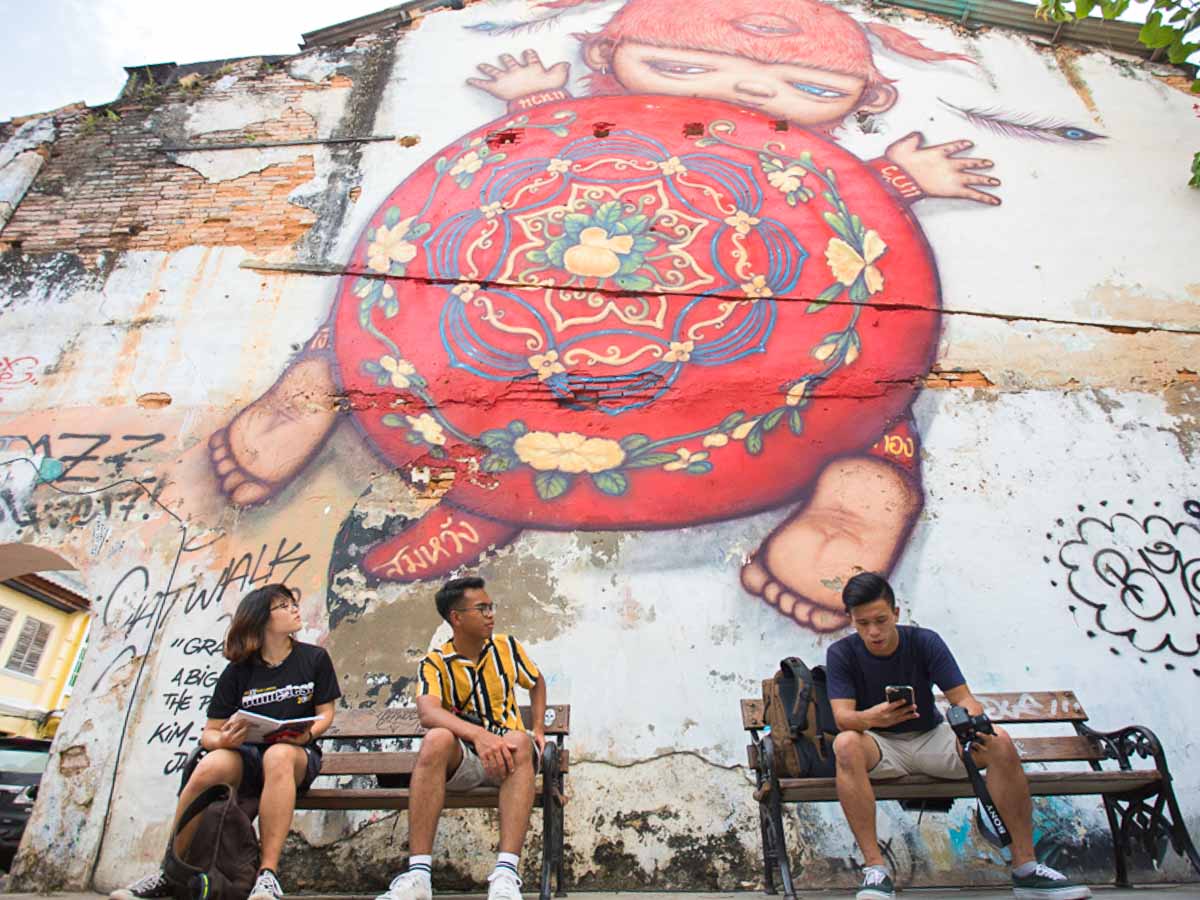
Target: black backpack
221	862
796	707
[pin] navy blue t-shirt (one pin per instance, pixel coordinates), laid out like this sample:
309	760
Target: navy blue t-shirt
922	659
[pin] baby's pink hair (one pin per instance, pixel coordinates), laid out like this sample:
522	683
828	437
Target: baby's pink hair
816	35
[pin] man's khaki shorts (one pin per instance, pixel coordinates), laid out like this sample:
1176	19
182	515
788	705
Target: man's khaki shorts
470	772
933	753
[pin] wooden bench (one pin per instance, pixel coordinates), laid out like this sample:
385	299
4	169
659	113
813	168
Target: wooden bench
396	768
1143	813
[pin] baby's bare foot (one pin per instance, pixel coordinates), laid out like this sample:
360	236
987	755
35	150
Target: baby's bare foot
272	439
860	511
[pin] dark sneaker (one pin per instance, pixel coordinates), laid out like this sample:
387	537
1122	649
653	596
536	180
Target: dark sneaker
151	886
877	885
1045	883
266	887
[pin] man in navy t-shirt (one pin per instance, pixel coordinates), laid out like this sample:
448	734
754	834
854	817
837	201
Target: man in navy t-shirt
879	739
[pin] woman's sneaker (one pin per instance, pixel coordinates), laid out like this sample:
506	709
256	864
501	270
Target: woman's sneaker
877	885
151	886
1045	883
266	886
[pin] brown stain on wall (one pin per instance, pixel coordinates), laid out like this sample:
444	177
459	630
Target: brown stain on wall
1183	402
1066	56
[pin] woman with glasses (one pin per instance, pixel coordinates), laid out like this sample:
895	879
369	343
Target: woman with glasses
272	674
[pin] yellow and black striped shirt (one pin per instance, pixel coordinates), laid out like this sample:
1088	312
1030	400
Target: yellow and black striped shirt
485	687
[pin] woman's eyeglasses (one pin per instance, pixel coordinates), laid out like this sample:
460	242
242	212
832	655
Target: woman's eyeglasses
294	604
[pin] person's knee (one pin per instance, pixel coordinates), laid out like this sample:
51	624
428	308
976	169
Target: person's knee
216	767
280	760
437	746
850	749
1001	750
520	746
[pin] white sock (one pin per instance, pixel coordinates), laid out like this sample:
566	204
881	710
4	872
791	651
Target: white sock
506	864
422	864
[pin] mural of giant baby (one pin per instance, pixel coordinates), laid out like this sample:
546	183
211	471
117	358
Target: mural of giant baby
673	301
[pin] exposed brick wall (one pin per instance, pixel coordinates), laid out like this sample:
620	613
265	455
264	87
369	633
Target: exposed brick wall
109	186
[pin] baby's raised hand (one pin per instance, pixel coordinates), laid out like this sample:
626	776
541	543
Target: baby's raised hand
520	79
939	173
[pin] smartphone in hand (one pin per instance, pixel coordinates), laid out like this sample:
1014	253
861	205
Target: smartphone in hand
903	692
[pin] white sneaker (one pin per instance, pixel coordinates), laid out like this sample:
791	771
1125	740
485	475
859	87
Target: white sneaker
150	886
266	887
408	886
504	886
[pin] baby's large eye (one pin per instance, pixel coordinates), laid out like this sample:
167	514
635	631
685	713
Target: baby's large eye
817	90
675	67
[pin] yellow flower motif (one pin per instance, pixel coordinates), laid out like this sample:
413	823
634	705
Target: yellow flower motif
399	369
851	354
787	179
672	166
468	164
491	210
567	452
388	292
756	287
680	351
546	364
739	433
558	165
742	222
596	253
465	291
428	428
847	264
389	246
796	393
716	440
684	458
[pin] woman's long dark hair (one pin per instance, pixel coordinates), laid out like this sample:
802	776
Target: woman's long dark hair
248	628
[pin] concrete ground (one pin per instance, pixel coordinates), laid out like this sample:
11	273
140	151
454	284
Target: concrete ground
1148	892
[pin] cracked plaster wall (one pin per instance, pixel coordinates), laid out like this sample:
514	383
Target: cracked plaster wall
139	319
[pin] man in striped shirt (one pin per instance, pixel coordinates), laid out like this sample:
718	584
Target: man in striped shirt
467	699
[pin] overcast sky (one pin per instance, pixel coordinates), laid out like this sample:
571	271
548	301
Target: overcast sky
55	52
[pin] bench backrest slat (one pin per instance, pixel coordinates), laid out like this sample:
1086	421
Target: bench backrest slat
1027	707
386	763
402	722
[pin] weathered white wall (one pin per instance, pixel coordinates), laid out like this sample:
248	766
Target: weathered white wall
1064	391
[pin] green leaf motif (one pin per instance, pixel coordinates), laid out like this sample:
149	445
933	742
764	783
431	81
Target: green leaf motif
417	230
364	312
650	459
699	468
495	463
838	224
497	439
634	282
551	485
772	419
391	308
632	442
517	427
754	440
731	421
391	217
391	420
441	165
858	290
612	482
538	257
796	421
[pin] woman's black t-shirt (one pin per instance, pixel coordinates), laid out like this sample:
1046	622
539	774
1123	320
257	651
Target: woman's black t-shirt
291	690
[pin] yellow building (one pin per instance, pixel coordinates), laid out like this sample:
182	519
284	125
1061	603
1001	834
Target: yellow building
43	631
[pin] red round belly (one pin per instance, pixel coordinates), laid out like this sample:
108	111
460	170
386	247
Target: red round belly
669	324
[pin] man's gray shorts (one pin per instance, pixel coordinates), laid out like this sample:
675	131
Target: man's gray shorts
933	753
470	773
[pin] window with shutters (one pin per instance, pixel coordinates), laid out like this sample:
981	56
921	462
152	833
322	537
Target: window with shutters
31	644
6	619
